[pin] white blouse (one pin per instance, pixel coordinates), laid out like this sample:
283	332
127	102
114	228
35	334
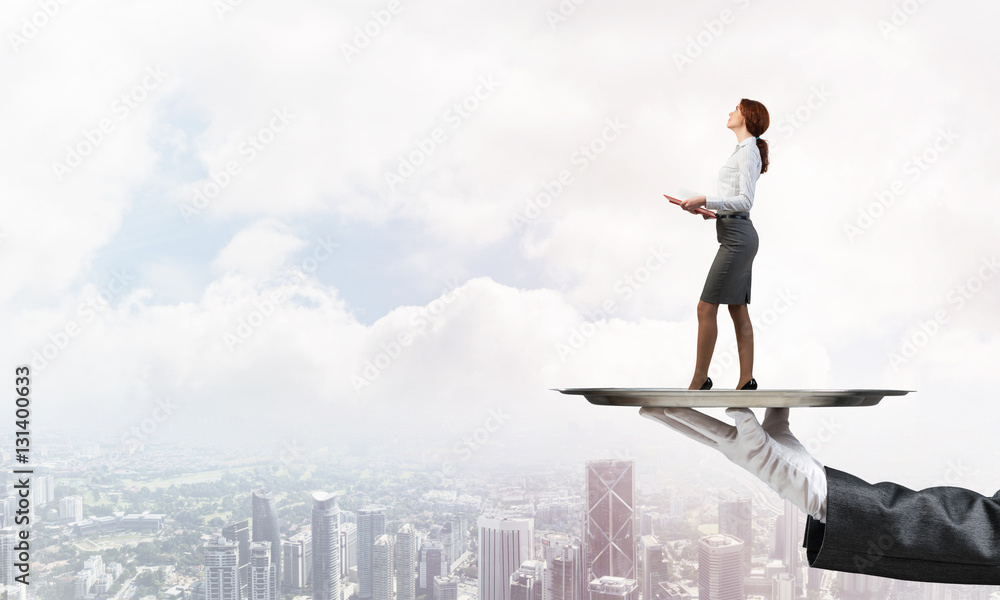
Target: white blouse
737	179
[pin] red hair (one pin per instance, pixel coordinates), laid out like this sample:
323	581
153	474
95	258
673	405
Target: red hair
756	119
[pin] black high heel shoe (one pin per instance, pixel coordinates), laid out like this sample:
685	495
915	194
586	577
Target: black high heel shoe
707	385
750	385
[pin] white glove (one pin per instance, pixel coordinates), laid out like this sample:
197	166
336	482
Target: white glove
770	452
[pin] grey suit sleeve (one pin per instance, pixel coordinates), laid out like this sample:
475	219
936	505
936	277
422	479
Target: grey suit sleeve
942	534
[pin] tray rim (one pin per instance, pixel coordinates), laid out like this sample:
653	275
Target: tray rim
653	397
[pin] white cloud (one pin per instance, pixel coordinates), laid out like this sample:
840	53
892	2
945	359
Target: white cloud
259	249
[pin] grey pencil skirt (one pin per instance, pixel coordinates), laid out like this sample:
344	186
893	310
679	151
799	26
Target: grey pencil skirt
729	278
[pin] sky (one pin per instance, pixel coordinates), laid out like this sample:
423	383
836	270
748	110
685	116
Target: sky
404	223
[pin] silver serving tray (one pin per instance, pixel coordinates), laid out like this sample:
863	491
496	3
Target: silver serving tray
726	398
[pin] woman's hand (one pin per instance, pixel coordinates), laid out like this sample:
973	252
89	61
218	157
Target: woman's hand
693	203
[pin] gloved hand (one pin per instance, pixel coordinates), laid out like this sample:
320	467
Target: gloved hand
769	451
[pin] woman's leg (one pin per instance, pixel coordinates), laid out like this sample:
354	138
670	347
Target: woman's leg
744	341
708	331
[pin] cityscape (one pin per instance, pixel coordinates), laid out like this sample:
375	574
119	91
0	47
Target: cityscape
132	523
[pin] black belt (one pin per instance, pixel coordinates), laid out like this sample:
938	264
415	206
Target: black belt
744	216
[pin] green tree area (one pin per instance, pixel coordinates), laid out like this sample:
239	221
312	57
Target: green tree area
149	582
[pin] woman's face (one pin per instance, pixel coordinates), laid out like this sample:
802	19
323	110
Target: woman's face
735	118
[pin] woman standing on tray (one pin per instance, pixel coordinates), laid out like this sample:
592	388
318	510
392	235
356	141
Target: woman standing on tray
729	278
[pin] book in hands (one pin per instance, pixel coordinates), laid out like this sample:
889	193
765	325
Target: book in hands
701	211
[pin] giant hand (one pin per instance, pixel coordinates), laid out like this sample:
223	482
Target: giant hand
768	451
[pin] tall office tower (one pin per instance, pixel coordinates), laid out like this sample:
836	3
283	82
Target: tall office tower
458	531
814	579
406	563
222	580
645	520
432	563
736	519
563	567
266	528
444	533
782	586
383	570
371	524
50	488
720	568
39	491
239	532
325	547
296	558
609	542
263	575
652	566
348	549
791	535
613	588
504	543
71	509
528	581
445	587
676	504
7	541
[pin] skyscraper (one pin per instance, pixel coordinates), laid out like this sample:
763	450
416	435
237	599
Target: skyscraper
563	567
296	560
266	528
791	538
609	540
7	541
406	562
325	547
613	588
71	509
239	532
432	563
736	519
263	576
445	588
504	543
383	570
720	568
348	549
528	582
653	568
371	524
782	586
221	570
